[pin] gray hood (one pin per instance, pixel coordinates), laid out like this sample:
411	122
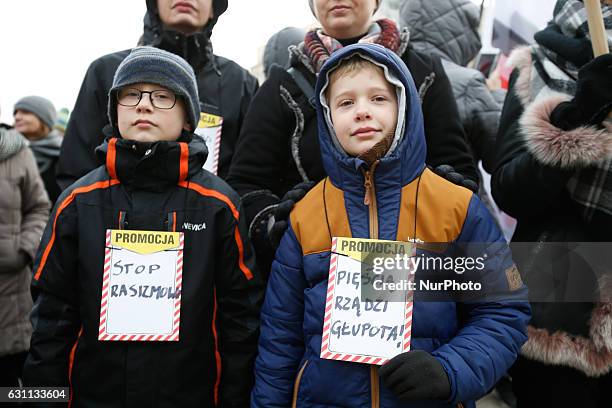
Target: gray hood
447	28
277	47
11	142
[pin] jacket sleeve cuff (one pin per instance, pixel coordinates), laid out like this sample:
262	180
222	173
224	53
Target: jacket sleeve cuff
552	146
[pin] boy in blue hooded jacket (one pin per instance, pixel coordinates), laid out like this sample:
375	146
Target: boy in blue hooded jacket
378	187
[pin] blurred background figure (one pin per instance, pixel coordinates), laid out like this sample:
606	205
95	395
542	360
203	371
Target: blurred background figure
277	47
449	29
34	119
24	209
63	115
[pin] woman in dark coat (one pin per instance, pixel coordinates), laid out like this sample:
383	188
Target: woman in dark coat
278	146
554	167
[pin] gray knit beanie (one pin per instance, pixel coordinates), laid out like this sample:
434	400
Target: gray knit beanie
156	66
311	4
39	106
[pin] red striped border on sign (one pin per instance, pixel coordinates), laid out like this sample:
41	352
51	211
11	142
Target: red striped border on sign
217	147
105	284
331	281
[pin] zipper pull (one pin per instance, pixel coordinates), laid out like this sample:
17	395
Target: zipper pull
368	186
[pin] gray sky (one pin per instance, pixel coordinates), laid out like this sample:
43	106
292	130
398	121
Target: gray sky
47	45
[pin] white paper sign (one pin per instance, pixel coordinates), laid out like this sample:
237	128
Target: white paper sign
209	128
141	287
363	330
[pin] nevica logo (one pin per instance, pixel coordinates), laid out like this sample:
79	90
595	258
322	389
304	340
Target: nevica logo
194	227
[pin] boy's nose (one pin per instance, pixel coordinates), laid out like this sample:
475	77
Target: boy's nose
145	102
362	114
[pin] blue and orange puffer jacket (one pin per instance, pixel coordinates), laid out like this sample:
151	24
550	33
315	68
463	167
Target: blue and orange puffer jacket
475	342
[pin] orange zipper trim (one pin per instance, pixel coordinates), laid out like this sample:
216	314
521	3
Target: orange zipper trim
296	386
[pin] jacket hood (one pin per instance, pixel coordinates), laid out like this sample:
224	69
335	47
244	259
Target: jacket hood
446	28
195	48
277	47
11	142
152	166
405	159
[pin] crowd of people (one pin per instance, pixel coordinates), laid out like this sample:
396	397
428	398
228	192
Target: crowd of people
363	128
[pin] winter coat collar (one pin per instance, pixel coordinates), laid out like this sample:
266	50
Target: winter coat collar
406	161
152	166
298	54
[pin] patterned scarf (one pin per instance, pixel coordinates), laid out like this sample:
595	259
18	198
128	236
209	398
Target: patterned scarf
318	46
590	188
571	17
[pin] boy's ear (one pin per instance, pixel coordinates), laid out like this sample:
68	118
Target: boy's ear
187	125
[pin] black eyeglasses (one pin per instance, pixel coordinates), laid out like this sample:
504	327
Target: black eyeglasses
160	98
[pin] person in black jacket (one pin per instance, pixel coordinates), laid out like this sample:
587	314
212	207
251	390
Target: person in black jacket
279	147
225	88
152	181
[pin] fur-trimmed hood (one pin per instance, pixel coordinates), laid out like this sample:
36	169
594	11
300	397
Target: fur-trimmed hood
576	148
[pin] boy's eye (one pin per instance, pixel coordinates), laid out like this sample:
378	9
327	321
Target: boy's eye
345	102
162	95
379	98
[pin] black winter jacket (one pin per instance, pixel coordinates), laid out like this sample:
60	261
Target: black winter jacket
570	297
225	89
279	144
147	187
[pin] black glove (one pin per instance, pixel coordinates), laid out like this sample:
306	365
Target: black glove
416	375
449	173
281	214
593	98
577	50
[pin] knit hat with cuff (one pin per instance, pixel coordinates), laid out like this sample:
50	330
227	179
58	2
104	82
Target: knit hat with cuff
156	66
39	106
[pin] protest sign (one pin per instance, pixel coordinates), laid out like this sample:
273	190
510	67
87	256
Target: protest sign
370	328
209	129
141	286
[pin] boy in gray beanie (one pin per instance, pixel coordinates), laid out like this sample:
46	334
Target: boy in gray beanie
156	66
190	322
